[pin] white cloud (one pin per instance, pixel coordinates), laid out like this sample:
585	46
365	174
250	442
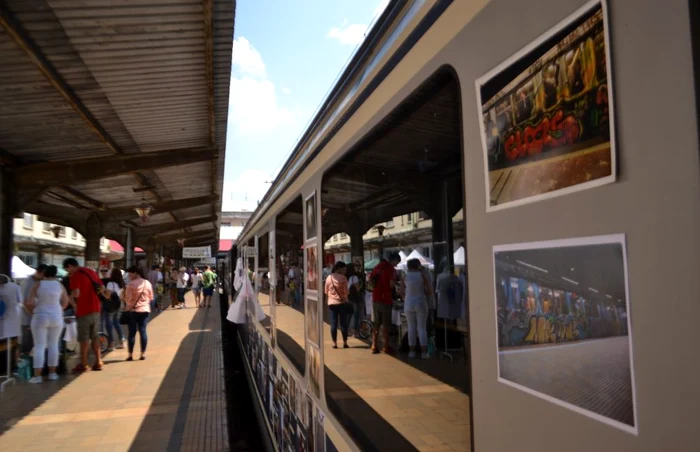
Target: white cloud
253	103
286	90
246	190
246	59
348	34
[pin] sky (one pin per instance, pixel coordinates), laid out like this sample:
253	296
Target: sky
287	55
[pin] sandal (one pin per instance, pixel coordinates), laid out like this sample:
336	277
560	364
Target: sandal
129	359
79	369
375	350
97	366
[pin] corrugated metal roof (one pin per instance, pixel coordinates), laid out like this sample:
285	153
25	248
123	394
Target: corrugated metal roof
142	71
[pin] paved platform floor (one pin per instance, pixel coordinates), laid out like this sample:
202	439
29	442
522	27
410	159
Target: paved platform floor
174	400
388	402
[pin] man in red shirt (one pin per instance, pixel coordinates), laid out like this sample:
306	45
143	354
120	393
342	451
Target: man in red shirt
383	277
83	286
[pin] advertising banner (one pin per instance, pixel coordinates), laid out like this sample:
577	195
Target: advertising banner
195	252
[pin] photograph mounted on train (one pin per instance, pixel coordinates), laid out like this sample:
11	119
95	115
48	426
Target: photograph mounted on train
547	117
563	325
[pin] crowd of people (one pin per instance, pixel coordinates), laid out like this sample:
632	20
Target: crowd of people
100	304
345	287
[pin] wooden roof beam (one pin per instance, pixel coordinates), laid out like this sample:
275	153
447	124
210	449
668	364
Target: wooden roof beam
76	171
186	235
160	229
127	212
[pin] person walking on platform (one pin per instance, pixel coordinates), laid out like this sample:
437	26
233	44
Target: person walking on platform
85	288
208	282
336	290
137	307
182	279
197	287
114	284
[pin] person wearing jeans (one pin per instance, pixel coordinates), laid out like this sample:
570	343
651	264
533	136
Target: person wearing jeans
336	289
415	289
110	320
139	294
47	300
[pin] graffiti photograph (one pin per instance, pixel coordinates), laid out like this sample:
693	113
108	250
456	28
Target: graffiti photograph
314	365
313	319
563	325
547	114
311	271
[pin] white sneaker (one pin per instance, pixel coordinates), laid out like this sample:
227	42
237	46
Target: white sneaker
425	356
35	380
411	355
53	376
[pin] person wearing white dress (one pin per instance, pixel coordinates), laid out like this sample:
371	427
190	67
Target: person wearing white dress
47	300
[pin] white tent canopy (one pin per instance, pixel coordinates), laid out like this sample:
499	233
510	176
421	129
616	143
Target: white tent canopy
20	270
459	257
426	262
403	255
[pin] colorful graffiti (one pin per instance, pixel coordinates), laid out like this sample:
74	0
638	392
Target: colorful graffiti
550	132
557	105
529	314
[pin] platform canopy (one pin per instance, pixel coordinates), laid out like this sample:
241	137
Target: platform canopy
105	103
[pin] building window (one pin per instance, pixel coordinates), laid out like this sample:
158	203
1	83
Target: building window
422	215
343	236
28	221
61	231
390	224
74	234
410	218
46	227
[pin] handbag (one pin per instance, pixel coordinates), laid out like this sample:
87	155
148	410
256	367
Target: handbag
125	317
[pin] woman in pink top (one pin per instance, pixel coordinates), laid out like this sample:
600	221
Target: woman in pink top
336	290
139	294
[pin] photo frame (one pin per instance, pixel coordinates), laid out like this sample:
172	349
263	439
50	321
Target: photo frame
313	357
310	216
563	324
546	114
310	268
313	320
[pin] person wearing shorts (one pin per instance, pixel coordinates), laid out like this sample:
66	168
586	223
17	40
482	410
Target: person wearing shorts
197	287
88	307
384	280
208	280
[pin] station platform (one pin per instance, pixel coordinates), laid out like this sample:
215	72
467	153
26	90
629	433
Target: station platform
175	400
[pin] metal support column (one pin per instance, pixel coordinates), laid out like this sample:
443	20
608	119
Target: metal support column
129	251
93	236
7	216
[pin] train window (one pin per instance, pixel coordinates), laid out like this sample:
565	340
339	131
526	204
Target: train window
262	278
289	294
408	308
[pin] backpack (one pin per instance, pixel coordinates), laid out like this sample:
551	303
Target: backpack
3	308
113	303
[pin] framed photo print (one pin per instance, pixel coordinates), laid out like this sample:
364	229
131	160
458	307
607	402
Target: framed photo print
310	216
546	114
563	325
